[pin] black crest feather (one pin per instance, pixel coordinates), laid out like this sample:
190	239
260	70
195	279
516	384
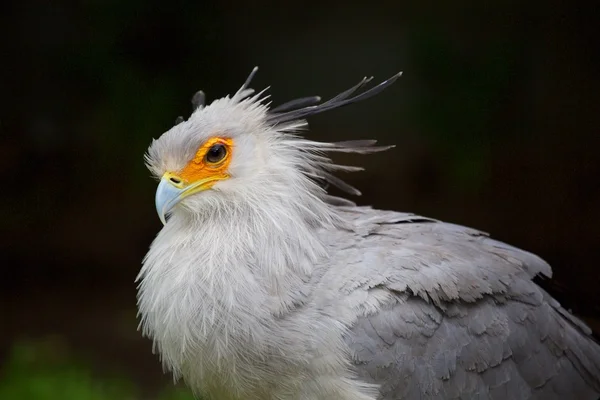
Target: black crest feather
307	106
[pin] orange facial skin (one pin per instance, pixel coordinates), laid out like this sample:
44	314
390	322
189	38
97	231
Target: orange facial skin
200	169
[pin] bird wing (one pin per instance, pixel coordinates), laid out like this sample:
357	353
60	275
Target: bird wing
445	312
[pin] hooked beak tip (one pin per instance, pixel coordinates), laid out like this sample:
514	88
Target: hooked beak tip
161	216
167	196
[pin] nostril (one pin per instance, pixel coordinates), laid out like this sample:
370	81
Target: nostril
176	181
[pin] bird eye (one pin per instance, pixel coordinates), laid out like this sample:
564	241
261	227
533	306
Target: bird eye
216	153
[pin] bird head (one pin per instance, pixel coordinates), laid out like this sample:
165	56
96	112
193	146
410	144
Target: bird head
238	150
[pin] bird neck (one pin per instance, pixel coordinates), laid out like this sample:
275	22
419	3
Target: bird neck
260	256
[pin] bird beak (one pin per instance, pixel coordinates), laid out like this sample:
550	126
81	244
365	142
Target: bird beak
168	194
172	189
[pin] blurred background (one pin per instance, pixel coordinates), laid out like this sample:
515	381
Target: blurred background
495	120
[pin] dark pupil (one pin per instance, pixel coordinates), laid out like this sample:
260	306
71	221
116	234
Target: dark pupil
216	153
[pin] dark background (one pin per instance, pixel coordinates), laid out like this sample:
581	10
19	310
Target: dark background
495	120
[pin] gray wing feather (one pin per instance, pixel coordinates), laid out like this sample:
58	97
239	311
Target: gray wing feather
445	312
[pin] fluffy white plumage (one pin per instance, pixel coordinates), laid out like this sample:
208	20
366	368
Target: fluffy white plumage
265	287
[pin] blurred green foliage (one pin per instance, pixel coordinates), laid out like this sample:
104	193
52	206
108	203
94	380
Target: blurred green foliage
44	370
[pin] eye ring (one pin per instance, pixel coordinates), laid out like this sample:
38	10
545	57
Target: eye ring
216	153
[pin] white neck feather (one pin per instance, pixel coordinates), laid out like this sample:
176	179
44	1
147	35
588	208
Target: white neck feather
228	271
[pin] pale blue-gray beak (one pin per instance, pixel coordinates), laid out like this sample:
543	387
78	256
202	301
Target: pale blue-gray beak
172	189
168	193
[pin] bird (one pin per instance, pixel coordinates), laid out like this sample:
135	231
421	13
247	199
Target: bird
263	285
